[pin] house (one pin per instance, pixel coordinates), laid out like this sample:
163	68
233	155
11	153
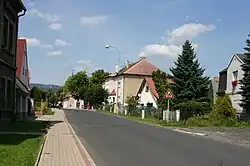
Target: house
129	80
71	103
147	93
229	81
10	11
22	80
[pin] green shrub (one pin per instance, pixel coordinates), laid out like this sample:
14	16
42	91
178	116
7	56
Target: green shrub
223	108
192	108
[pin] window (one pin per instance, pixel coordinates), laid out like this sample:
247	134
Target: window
147	89
11	37
113	99
235	75
23	70
5	31
9	94
3	92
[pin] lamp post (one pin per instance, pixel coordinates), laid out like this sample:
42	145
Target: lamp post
117	70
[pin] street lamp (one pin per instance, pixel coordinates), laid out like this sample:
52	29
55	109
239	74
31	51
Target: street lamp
117	70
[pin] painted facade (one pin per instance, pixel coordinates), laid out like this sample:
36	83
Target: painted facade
233	73
71	103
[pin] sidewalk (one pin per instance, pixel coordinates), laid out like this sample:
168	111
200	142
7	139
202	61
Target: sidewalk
60	148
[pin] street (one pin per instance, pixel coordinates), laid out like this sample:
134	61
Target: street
114	141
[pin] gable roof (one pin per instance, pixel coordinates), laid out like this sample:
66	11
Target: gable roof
140	67
240	57
21	44
113	92
151	85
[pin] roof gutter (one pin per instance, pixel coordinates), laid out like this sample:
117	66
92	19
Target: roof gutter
24	9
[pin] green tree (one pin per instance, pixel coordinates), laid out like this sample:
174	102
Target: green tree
161	84
36	93
245	82
132	105
98	76
74	82
190	84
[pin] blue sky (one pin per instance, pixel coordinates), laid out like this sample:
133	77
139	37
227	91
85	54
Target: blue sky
66	35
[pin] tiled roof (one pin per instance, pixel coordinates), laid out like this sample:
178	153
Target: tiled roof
141	67
20	53
241	56
151	86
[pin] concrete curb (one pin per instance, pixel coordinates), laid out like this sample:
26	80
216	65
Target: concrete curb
84	153
40	151
188	132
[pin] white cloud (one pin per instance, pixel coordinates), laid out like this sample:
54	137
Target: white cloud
188	32
176	38
59	42
55	26
45	16
54	53
36	43
93	20
84	62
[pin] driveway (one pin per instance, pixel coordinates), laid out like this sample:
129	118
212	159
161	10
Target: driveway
114	141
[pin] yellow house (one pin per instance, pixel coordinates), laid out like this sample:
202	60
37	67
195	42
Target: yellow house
129	80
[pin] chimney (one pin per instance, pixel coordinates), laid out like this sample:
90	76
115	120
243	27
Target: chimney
127	64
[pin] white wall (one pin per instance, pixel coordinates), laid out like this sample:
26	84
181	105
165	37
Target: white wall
120	89
71	103
147	97
234	66
24	75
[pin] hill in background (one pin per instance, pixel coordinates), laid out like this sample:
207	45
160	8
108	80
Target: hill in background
45	87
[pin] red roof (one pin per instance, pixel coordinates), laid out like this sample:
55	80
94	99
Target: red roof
113	92
21	43
21	46
151	86
141	67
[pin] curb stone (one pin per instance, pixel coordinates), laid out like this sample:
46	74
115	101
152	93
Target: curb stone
84	153
40	150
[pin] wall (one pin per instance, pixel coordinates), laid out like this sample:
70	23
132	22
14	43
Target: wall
131	86
235	65
147	97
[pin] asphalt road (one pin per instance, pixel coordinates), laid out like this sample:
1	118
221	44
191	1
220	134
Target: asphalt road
114	141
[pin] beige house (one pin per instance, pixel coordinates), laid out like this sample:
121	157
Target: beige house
129	80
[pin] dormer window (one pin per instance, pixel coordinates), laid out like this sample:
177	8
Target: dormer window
23	70
235	75
147	89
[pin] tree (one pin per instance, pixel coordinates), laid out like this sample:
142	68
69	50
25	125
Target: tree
245	82
74	82
132	105
36	93
98	76
190	84
160	79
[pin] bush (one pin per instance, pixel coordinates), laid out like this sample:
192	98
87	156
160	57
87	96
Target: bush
132	106
223	108
192	108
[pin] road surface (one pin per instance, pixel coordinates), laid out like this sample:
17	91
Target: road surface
114	141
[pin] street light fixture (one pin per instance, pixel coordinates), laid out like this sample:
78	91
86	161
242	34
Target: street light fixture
117	71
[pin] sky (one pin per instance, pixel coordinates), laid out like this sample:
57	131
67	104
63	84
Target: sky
71	35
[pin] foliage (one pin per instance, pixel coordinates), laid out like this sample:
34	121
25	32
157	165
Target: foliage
160	79
223	108
74	82
190	84
192	108
132	105
37	94
98	77
245	82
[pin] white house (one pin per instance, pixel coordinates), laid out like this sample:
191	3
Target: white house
110	86
23	103
229	81
147	93
71	103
